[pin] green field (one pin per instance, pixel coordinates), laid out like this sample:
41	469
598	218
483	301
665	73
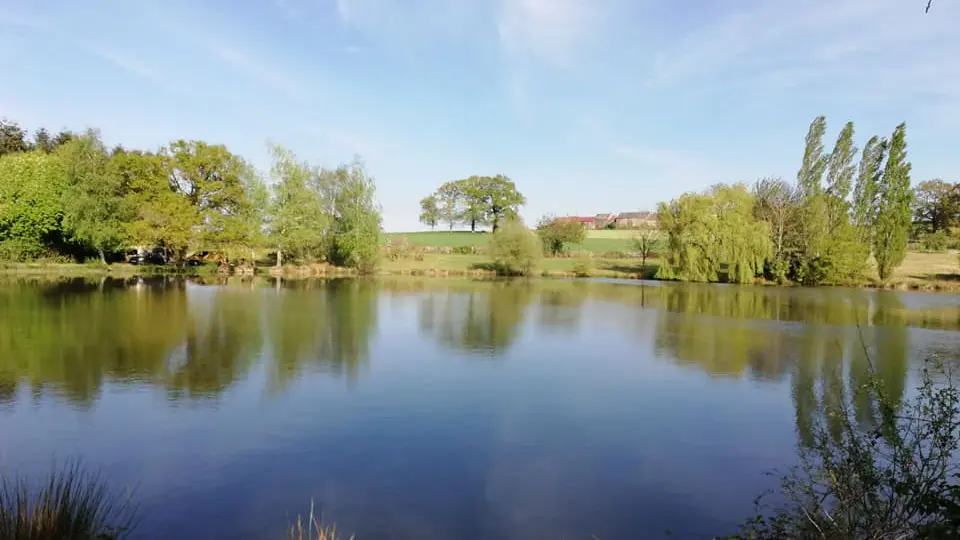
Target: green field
596	241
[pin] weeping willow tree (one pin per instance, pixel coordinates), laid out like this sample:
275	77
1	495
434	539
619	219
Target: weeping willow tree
712	230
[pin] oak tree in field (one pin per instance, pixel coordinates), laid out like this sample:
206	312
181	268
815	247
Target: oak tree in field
478	201
936	205
429	211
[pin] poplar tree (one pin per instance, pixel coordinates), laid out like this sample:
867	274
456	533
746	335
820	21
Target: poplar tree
893	212
865	192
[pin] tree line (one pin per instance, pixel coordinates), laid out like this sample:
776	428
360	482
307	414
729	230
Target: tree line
71	196
820	229
474	201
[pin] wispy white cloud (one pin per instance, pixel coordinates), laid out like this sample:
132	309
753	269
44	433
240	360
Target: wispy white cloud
288	8
128	62
856	45
252	66
547	29
11	17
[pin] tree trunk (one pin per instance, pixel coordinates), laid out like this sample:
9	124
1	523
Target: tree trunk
473	224
103	256
496	223
279	258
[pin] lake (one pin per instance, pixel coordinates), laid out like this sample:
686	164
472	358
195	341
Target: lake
440	409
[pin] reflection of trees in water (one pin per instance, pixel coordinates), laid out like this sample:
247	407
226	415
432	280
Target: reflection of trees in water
728	331
223	339
324	325
73	336
486	318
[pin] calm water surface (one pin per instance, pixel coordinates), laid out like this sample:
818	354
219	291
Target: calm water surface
442	409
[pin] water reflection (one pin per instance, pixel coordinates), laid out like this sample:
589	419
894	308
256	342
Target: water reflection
72	336
605	397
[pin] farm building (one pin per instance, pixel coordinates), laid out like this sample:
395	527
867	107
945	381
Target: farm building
587	222
635	220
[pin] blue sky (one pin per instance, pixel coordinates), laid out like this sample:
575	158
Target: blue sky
589	105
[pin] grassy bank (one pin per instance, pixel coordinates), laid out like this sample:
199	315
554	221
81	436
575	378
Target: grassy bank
920	271
603	241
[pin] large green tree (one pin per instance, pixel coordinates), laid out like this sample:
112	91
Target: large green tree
161	216
429	211
557	233
502	199
865	191
356	221
707	231
843	256
31	203
776	202
94	198
936	205
298	220
450	200
213	181
814	214
892	227
13	138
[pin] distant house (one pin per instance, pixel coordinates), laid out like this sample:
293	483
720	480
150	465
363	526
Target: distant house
601	221
587	222
635	220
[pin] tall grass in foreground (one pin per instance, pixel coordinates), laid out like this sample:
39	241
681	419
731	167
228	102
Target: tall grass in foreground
311	529
73	504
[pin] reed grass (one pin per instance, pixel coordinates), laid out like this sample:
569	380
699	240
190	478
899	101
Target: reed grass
73	504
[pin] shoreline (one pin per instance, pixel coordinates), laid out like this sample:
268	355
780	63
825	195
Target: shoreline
945	284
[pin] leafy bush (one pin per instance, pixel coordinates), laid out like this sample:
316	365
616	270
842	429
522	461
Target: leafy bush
556	233
895	480
464	250
72	505
582	267
516	251
934	242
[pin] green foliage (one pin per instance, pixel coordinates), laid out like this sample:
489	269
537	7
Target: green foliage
516	250
355	225
865	193
893	480
449	200
31	206
556	233
476	201
94	205
646	241
936	205
934	242
13	138
298	219
211	180
777	203
583	266
708	230
429	211
892	226
161	216
73	504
